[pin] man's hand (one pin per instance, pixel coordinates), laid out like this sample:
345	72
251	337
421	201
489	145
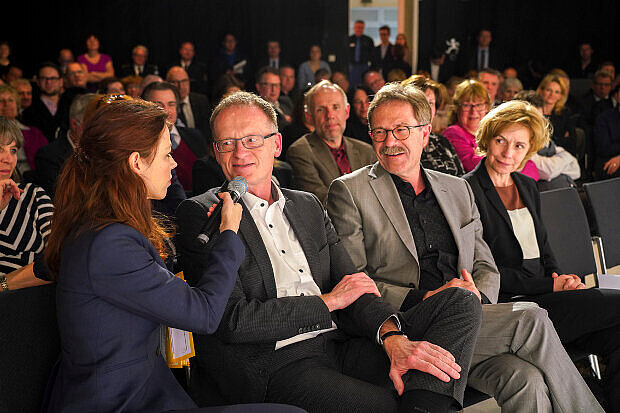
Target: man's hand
467	283
405	355
566	282
349	289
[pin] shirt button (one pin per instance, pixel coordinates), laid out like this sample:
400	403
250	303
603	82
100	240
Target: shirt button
317	326
430	246
270	226
300	270
262	204
411	285
301	330
301	295
283	252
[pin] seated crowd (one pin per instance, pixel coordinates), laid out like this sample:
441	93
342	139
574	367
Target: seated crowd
389	252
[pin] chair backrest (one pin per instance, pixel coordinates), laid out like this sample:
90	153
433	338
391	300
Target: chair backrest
568	231
604	197
29	346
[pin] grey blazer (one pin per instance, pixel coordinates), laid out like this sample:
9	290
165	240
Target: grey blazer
314	166
368	215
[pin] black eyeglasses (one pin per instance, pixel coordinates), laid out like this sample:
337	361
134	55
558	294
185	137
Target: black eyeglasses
400	132
248	142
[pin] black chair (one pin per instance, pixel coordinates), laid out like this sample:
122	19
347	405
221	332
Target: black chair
604	197
29	346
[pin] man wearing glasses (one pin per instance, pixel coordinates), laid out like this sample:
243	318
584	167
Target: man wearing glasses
320	157
268	87
42	112
300	326
193	108
418	233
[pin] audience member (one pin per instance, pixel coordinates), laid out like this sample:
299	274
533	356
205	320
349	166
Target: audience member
50	159
26	209
139	65
13	73
148	79
74	84
360	52
33	138
299	126
306	71
319	157
357	123
132	85
397	64
596	100
42	113
225	85
401	39
583	67
98	65
607	141
272	58
510	87
554	93
340	78
403	225
373	80
187	144
439	68
111	86
438	154
473	102
24	89
490	79
268	87
5	60
321	74
193	107
382	54
284	342
510	73
556	166
509	206
287	81
483	56
65	56
229	59
197	71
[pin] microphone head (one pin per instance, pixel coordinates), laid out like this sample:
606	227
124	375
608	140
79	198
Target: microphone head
238	186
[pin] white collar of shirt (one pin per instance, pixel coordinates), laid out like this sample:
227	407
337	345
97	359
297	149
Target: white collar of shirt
174	134
185	99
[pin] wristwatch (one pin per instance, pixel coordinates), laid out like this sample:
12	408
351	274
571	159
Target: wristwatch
3	284
390	334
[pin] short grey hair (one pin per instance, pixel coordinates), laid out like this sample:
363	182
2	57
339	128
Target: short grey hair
248	100
408	94
512	82
140	46
323	84
79	104
10	132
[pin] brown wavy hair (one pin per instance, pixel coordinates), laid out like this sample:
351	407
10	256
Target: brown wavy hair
97	186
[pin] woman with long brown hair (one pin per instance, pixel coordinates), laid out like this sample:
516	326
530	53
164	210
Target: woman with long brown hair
113	289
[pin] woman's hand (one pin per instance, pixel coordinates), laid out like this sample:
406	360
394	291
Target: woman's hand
9	190
566	282
612	165
231	213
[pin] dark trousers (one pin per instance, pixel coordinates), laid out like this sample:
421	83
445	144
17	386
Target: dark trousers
589	320
350	374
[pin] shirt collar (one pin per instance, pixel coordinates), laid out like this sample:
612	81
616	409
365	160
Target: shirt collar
253	202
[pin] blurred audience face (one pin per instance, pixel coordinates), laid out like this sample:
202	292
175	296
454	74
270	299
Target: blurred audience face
470	113
139	56
75	75
25	94
601	86
167	101
229	43
14	73
133	90
49	81
115	88
510	92
65	56
268	87
431	98
321	75
328	112
507	150
585	51
8	105
186	51
287	79
178	76
315	53
5	51
510	72
484	38
611	69
374	80
255	165
384	35
341	80
360	105
401	39
273	50
491	84
92	43
358	28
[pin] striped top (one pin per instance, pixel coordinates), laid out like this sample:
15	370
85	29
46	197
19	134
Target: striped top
24	228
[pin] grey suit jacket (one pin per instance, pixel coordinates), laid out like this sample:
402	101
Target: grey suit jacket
314	167
369	217
241	354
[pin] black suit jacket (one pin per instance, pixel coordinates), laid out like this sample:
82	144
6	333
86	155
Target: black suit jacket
147	69
470	60
499	235
366	52
241	354
195	140
201	111
39	116
380	63
49	160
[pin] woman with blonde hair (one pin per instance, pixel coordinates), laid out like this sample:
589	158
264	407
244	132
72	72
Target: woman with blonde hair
554	91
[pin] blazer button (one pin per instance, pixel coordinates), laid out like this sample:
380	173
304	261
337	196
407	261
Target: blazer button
301	330
317	326
261	372
411	285
157	352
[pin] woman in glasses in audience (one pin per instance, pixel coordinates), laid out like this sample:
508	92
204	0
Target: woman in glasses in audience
472	102
106	251
509	206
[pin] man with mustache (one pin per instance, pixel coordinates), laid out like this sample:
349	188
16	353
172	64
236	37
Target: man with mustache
320	157
417	232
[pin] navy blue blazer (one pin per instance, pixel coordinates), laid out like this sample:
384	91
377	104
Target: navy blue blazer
113	293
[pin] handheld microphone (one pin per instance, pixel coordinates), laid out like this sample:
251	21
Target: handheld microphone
236	188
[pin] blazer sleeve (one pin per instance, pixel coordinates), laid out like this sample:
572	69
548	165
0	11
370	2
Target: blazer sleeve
123	271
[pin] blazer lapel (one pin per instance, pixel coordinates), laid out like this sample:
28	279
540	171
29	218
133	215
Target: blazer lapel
324	155
386	193
446	205
491	193
352	154
256	247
